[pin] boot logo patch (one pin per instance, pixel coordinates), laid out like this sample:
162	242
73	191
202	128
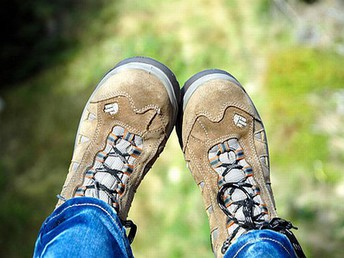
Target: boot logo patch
240	121
111	108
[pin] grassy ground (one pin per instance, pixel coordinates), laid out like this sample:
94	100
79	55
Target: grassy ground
297	88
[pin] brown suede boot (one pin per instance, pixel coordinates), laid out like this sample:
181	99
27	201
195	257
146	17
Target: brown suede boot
123	129
225	147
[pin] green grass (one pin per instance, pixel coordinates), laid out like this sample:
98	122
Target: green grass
294	88
301	84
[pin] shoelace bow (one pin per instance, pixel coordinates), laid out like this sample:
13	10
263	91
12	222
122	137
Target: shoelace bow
284	227
252	221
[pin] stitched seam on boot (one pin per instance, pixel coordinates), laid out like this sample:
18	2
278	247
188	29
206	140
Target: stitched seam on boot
260	178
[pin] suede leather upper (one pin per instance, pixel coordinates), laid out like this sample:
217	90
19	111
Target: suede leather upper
207	121
144	109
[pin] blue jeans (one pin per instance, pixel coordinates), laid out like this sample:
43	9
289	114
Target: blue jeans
88	227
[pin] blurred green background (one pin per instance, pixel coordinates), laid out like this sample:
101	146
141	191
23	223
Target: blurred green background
288	55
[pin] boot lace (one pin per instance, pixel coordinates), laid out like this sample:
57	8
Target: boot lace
239	196
106	179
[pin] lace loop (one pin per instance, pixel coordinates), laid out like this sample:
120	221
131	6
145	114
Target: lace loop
284	227
239	195
132	229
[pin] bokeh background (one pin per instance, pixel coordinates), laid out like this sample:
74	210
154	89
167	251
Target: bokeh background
289	55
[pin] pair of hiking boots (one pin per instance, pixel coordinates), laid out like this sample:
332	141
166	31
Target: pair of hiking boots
127	121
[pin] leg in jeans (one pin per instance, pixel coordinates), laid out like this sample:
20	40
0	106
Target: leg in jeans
225	146
123	128
261	243
83	227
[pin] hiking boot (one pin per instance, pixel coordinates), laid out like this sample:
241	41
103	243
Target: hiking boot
123	129
225	147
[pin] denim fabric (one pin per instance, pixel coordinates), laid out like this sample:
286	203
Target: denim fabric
261	243
89	227
83	227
